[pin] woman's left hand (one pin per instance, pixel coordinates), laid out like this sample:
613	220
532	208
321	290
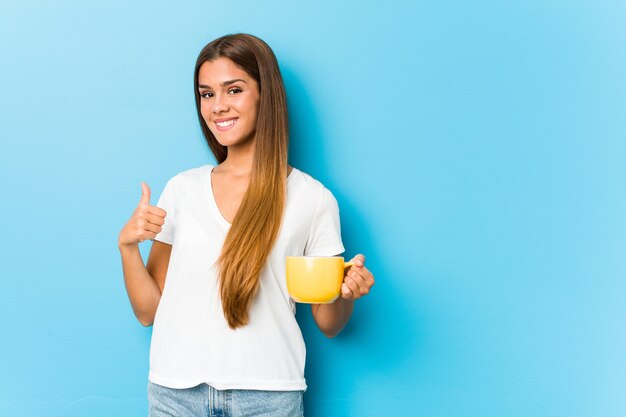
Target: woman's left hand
357	281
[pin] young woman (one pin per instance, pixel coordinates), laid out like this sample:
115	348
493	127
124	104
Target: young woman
225	339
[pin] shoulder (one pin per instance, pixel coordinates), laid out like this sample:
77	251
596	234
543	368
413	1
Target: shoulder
307	182
190	176
307	185
194	173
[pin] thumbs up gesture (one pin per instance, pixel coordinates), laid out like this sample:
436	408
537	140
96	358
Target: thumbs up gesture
145	223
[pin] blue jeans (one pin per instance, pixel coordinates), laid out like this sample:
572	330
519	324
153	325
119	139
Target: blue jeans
206	401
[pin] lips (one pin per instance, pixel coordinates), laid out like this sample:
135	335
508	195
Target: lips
225	124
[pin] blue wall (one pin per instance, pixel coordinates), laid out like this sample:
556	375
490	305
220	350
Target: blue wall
477	151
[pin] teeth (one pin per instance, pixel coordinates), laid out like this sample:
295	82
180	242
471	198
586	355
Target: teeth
228	123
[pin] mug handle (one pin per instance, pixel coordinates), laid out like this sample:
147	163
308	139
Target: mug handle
347	264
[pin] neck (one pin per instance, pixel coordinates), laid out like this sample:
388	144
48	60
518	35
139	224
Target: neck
239	159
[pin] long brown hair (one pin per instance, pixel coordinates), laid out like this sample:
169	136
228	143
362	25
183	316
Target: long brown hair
255	228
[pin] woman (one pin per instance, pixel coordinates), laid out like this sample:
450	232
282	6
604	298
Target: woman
225	338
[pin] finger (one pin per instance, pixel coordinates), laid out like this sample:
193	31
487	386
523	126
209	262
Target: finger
146	236
345	292
359	260
144	226
154	228
145	194
154	219
360	284
365	275
157	211
353	286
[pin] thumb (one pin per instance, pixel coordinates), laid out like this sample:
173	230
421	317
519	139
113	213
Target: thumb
145	194
359	260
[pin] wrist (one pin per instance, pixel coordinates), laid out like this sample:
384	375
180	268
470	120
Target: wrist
127	247
344	302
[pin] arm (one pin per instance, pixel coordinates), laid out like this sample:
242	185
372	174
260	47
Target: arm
332	318
144	284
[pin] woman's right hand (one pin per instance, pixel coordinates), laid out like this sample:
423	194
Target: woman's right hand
145	223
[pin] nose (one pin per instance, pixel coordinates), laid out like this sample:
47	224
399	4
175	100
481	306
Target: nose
219	104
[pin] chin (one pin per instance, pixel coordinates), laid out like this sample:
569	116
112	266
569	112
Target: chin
232	142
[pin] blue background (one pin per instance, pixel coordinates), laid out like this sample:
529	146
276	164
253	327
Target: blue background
477	151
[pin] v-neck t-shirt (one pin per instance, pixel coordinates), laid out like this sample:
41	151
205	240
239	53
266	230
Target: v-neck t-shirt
191	340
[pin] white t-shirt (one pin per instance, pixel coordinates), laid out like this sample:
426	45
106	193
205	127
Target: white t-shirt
191	340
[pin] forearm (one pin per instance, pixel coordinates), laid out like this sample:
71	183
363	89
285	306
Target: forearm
332	318
142	289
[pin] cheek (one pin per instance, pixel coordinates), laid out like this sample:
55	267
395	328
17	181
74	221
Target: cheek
253	109
205	112
205	117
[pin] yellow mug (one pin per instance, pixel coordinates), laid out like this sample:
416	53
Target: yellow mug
315	279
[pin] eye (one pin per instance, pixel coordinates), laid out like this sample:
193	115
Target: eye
206	94
234	90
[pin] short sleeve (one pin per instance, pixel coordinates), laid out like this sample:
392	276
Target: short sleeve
166	202
325	234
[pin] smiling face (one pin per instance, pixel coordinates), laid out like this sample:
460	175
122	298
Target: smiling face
229	101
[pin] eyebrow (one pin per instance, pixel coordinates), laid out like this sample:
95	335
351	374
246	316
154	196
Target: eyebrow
225	83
